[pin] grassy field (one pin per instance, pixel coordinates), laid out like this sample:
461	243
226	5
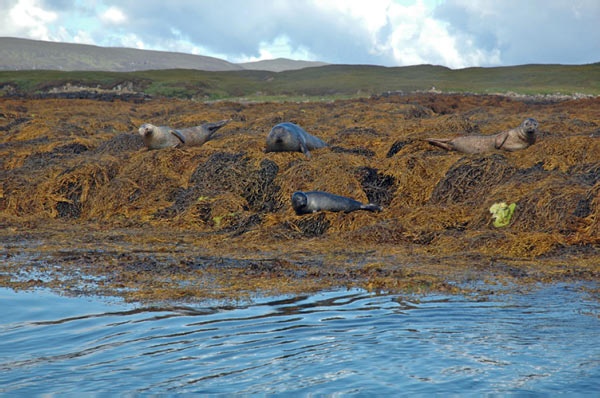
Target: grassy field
326	81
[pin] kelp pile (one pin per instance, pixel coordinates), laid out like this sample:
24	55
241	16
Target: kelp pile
86	208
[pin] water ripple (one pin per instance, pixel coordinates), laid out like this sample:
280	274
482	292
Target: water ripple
337	343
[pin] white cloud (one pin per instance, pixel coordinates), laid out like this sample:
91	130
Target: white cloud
454	33
533	31
408	34
113	15
83	37
278	48
129	40
26	18
371	14
418	38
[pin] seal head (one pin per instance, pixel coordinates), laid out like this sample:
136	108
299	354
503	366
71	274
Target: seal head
160	137
299	201
529	128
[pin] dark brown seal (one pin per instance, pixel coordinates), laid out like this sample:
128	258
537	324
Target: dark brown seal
510	140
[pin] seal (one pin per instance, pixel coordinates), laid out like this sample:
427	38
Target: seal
289	137
314	201
166	137
509	140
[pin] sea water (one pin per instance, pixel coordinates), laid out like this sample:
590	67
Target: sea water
337	343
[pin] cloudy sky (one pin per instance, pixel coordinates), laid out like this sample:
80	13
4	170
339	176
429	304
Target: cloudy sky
454	33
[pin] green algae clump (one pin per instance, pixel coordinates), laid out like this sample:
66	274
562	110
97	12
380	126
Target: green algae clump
502	213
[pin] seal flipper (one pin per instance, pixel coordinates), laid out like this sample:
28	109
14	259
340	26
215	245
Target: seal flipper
304	149
178	134
443	143
499	141
371	207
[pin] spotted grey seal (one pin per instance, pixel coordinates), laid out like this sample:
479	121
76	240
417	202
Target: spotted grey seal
509	140
166	137
314	201
289	137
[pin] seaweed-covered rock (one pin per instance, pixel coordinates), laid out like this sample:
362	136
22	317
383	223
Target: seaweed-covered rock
378	187
71	207
121	143
396	147
261	191
353	151
312	226
222	172
469	180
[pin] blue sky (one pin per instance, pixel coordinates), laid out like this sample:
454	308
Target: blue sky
453	33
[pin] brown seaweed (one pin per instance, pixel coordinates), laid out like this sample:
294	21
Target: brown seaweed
86	208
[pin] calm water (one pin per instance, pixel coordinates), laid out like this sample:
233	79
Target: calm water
349	343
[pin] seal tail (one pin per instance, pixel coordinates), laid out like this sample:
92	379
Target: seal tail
441	143
371	207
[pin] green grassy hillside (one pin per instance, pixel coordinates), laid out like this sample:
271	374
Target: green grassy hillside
325	81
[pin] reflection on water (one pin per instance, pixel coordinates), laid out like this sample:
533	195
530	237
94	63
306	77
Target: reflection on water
348	343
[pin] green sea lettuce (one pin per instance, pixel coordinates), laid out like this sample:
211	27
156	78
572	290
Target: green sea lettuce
502	213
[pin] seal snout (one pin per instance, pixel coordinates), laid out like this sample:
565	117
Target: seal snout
145	130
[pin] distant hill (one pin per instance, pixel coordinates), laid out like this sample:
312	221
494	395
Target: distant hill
25	54
325	81
280	65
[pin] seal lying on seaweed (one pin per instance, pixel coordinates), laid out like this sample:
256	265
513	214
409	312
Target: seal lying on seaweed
289	137
166	137
509	140
314	201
